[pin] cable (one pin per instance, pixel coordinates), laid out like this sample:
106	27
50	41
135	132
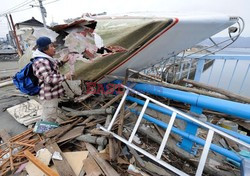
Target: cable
51	2
16	7
23	9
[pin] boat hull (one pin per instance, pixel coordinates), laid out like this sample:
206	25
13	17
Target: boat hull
149	44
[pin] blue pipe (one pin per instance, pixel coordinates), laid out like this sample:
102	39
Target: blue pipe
168	112
213	147
224	106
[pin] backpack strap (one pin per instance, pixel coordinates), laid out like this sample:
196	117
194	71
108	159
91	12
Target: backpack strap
50	62
32	60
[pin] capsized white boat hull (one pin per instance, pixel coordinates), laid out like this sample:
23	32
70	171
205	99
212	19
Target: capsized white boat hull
182	34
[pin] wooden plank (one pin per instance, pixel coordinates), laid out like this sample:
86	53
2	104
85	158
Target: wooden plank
4	172
87	120
66	130
231	95
6	83
40	164
144	75
11	160
62	166
91	167
97	132
116	98
76	160
105	166
77	131
56	131
91	112
4	135
44	156
24	144
112	152
173	86
243	124
25	133
95	122
68	121
233	145
137	157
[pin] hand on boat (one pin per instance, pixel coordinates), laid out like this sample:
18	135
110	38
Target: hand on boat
66	58
68	76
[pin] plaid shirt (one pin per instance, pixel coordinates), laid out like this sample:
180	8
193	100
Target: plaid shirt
50	80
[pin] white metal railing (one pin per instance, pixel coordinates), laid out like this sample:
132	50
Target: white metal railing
229	72
157	158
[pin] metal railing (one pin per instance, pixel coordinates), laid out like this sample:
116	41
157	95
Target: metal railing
229	72
175	112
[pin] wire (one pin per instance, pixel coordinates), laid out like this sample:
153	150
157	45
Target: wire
14	10
16	7
51	2
23	9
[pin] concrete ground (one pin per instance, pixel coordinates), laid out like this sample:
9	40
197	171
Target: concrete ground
8	98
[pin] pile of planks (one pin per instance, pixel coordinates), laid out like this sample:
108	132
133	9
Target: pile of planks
97	152
12	149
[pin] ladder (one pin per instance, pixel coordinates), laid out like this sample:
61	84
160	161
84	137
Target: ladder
157	158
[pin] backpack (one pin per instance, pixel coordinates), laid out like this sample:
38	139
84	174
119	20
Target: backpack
26	81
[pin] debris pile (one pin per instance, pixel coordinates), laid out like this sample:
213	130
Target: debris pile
79	145
12	151
99	153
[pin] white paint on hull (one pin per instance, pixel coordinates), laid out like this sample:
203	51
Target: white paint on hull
187	32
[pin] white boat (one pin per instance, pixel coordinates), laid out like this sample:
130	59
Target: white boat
148	41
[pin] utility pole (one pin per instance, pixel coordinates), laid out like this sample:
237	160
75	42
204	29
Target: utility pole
19	50
11	33
43	12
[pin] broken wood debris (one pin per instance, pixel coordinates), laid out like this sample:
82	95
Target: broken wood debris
173	86
91	112
40	164
106	157
231	95
104	165
12	153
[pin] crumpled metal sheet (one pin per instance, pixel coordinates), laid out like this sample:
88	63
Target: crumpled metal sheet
76	42
73	24
45	32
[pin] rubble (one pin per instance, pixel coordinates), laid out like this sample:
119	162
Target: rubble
75	134
78	146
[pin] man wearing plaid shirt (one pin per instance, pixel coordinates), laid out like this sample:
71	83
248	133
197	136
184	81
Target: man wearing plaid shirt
46	69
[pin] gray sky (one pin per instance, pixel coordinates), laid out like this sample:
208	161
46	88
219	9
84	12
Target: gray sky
57	10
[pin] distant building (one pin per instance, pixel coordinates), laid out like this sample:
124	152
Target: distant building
29	23
24	27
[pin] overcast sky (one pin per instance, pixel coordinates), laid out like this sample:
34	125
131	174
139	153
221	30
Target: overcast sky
57	10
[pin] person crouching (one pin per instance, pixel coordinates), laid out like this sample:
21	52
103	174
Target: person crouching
46	69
